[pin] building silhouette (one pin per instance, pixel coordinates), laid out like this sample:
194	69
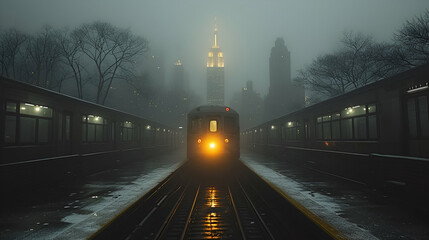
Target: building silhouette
215	74
284	96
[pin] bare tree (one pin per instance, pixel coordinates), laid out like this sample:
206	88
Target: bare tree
412	42
11	42
44	54
112	50
69	47
355	65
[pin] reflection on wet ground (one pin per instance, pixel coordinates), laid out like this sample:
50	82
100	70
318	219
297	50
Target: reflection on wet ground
383	214
95	197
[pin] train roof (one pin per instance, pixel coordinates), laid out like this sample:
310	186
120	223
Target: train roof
212	109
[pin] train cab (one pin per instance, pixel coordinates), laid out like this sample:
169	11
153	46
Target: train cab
213	135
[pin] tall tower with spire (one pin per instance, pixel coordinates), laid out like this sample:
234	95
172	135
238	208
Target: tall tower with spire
215	74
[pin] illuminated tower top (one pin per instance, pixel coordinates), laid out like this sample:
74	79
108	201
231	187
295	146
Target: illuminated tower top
215	57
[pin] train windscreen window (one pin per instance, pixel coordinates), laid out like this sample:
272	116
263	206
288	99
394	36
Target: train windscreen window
229	125
213	125
196	124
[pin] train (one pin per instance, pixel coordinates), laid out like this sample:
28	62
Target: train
213	135
380	130
51	133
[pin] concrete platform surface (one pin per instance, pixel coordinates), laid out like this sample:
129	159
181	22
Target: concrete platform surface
79	210
353	208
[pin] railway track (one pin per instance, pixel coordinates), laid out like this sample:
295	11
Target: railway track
235	206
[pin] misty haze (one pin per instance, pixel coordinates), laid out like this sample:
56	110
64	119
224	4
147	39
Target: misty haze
334	87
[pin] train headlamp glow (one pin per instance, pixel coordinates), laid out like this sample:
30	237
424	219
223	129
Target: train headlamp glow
212	145
199	140
226	140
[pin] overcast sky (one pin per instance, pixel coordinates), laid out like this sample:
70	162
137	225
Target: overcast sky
247	28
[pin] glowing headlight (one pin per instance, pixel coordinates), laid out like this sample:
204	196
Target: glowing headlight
226	140
199	140
212	145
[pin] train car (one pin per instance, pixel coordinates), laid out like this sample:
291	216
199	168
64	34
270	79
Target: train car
213	135
45	133
386	117
379	131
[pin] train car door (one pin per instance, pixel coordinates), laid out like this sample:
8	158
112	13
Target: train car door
417	127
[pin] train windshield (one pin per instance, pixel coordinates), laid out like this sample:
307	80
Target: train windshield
213	125
229	125
196	125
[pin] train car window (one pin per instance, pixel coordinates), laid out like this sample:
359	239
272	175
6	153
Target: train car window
372	126
27	130
293	130
93	128
372	108
229	125
11	107
353	111
128	131
327	130
213	125
423	116
196	125
336	130
27	123
35	110
346	129
336	116
43	132
359	125
10	129
319	134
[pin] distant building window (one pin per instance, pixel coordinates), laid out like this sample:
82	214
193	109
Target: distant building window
27	124
94	128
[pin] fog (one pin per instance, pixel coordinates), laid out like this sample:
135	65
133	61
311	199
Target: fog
247	29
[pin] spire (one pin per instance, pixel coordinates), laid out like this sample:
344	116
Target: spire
215	57
215	37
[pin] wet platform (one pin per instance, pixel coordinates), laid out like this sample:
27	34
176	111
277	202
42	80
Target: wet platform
357	210
354	209
81	209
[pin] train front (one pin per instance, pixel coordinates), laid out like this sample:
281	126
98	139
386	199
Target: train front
213	136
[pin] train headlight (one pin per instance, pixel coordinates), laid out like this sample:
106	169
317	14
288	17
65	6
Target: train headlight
212	145
226	140
199	140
